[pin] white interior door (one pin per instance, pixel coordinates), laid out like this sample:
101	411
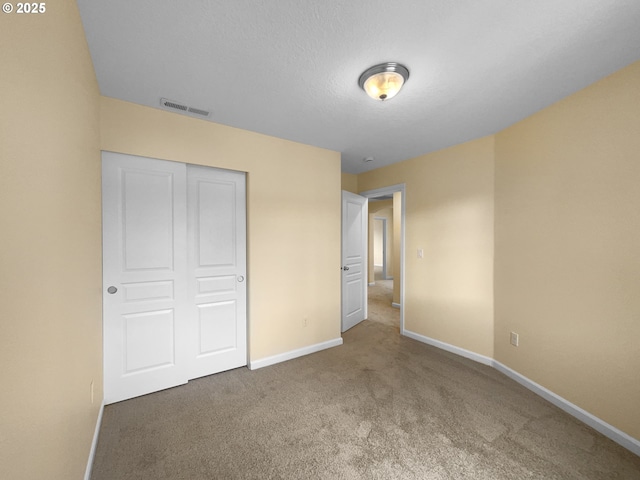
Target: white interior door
144	264
354	259
174	273
217	270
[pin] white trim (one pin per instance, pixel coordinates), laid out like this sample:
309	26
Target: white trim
300	352
94	444
371	284
395	305
618	436
476	357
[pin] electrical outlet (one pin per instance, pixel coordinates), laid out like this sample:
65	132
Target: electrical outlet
420	253
515	339
91	391
305	321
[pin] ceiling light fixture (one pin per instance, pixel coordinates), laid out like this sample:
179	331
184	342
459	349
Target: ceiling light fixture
384	81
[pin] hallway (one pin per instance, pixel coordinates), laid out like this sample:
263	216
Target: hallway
380	297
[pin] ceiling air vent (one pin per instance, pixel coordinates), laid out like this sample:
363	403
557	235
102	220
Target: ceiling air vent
170	104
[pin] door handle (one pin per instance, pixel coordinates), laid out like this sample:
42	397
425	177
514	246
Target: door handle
345	268
112	290
241	278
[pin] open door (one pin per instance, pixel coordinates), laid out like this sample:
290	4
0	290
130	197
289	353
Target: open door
354	259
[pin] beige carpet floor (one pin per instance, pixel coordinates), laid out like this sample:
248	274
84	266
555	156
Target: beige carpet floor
379	307
381	406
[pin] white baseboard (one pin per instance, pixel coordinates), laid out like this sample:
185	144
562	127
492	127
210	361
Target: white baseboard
371	284
300	352
476	357
94	444
395	305
618	436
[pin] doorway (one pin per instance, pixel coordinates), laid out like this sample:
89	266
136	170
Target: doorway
385	297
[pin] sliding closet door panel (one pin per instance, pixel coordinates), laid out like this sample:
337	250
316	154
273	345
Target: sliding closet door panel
217	270
144	275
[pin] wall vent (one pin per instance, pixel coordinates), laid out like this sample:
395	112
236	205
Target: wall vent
197	111
170	104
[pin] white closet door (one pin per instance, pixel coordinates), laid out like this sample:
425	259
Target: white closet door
217	270
144	271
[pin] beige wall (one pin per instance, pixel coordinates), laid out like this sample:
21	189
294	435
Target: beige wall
449	214
382	209
50	255
349	182
379	247
568	248
293	202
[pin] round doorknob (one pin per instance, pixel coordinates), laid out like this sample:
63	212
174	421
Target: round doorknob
345	268
112	290
241	278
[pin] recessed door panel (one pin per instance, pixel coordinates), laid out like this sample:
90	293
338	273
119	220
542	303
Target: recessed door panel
220	285
354	231
354	304
147	211
147	291
216	222
149	341
217	327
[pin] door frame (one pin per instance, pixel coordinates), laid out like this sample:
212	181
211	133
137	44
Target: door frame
390	190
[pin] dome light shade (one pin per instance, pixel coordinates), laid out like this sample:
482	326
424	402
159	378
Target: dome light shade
384	81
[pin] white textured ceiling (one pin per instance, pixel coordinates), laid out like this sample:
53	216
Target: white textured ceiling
289	68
